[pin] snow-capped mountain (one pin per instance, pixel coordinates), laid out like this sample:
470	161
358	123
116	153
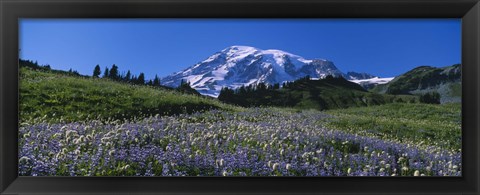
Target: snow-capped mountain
371	82
243	65
358	76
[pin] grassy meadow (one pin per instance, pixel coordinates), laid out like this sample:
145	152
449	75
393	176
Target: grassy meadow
54	97
84	126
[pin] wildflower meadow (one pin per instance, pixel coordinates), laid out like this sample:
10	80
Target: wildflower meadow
254	142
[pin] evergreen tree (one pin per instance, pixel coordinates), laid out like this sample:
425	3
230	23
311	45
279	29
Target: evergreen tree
150	82
249	89
227	95
329	77
261	87
134	79
114	72
105	73
97	71
186	88
242	91
276	86
141	79
156	81
127	77
184	84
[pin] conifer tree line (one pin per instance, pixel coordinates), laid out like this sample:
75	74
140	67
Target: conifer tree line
287	94
35	66
114	74
260	88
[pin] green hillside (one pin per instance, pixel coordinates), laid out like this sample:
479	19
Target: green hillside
406	123
328	93
423	79
55	97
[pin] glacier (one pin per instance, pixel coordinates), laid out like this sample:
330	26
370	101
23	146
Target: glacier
238	66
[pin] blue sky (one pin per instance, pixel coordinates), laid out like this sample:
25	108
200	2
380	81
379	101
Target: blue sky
382	47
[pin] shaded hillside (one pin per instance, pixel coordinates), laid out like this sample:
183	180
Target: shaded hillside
328	93
423	79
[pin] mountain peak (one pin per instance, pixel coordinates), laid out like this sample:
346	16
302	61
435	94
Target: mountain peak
240	47
238	65
359	76
253	50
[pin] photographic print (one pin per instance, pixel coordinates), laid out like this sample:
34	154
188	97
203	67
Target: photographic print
240	97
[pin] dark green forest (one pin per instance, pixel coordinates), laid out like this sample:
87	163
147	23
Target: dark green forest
328	93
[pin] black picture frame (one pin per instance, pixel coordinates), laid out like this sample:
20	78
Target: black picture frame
12	10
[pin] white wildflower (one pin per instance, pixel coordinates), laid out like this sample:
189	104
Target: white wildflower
70	133
275	165
325	164
24	159
387	166
416	173
56	135
288	166
221	162
64	151
305	155
428	168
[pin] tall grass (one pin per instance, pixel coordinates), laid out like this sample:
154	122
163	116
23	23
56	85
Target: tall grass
427	124
45	96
